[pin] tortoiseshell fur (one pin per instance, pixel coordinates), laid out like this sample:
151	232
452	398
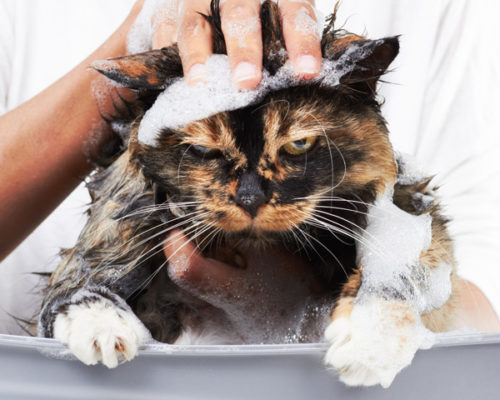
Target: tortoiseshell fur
352	162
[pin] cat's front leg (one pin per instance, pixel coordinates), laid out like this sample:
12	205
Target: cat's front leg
406	273
96	326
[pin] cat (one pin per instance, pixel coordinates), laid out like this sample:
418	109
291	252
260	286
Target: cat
308	156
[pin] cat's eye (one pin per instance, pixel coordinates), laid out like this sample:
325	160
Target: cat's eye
300	146
203	151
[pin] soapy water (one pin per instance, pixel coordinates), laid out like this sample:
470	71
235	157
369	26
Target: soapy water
273	299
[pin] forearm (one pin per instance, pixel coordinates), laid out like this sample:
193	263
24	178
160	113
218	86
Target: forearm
45	144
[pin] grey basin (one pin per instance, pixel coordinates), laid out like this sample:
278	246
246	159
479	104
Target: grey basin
457	367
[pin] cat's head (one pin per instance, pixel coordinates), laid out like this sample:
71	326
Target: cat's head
269	166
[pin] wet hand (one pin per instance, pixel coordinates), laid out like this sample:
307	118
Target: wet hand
271	296
181	21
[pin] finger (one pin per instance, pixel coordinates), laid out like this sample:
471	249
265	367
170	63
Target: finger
193	272
164	24
302	36
194	39
242	32
164	34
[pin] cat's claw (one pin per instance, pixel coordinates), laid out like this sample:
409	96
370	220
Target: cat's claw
367	351
100	331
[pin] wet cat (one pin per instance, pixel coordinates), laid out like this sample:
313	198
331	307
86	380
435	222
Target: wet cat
306	157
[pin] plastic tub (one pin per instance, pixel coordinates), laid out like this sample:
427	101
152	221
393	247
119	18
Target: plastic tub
457	367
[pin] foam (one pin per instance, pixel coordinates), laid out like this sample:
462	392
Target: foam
306	24
390	249
139	38
385	328
241	28
409	170
181	103
389	254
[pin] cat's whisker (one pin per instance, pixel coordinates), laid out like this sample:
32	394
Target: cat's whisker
157	207
161	232
153	210
149	279
332	172
151	252
369	205
313	214
308	212
343	161
180	163
296	238
336	208
325	247
347	232
157	271
159	249
180	237
354	234
325	214
303	233
189	217
194	217
190	239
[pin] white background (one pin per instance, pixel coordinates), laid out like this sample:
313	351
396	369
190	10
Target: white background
441	106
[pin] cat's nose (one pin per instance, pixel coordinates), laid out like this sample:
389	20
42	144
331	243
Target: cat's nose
250	194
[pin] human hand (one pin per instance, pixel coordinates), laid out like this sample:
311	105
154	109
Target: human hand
168	21
271	298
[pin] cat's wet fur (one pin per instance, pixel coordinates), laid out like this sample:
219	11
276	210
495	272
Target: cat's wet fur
246	190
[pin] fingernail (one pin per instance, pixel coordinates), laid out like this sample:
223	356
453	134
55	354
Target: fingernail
244	71
197	74
306	64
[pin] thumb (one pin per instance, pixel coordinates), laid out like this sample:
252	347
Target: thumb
200	276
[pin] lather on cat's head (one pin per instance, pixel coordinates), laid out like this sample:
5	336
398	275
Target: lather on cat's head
264	167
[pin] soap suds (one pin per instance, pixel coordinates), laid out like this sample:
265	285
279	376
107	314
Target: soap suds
153	13
397	288
240	29
389	254
181	103
392	243
409	171
306	24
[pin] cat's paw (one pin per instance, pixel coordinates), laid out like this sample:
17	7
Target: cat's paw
98	330
375	343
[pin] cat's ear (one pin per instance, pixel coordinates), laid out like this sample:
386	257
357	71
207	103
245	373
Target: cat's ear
151	70
364	61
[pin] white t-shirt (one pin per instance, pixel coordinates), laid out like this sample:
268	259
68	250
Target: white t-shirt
440	107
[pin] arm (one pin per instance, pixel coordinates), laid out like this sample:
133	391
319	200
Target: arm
45	144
